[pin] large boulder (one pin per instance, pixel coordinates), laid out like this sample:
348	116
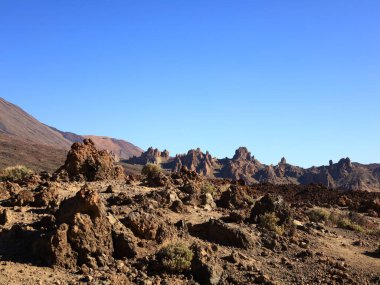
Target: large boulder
83	234
149	225
86	163
205	268
222	233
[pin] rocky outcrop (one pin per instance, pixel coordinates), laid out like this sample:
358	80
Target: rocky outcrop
241	167
152	155
195	160
86	163
84	234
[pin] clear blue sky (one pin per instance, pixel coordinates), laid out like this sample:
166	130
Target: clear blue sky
299	79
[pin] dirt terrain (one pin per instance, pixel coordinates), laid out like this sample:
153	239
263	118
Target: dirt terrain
89	224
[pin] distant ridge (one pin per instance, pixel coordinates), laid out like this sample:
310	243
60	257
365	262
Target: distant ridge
29	136
343	174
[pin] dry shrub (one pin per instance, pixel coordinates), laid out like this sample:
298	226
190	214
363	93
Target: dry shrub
318	215
175	258
270	222
15	173
151	170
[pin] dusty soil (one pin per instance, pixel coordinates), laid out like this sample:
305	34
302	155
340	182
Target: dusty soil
317	253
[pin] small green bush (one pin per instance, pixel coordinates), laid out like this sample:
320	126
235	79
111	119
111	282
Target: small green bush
15	173
175	258
318	215
270	221
151	170
208	188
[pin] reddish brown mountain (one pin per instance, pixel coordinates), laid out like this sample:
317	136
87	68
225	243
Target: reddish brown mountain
17	123
25	140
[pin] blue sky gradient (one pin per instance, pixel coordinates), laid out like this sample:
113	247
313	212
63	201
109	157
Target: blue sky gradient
299	79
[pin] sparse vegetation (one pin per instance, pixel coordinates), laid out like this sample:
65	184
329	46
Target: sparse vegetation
318	215
208	188
346	223
151	170
248	198
175	258
270	221
15	173
351	221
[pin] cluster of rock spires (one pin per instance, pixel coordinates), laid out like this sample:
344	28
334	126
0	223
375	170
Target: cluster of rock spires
152	155
244	166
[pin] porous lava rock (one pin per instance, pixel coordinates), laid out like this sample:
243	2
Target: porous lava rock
83	234
8	189
86	163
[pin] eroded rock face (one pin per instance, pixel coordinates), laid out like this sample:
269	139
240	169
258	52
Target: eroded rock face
195	160
83	234
86	163
241	167
152	155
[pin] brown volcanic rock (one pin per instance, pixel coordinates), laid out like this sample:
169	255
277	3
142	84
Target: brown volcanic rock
86	163
195	160
84	233
152	155
236	198
222	233
241	167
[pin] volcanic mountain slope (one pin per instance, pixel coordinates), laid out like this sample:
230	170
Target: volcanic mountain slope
244	166
25	140
15	121
38	157
121	148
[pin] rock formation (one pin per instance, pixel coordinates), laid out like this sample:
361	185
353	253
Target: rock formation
152	155
195	160
86	163
241	167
